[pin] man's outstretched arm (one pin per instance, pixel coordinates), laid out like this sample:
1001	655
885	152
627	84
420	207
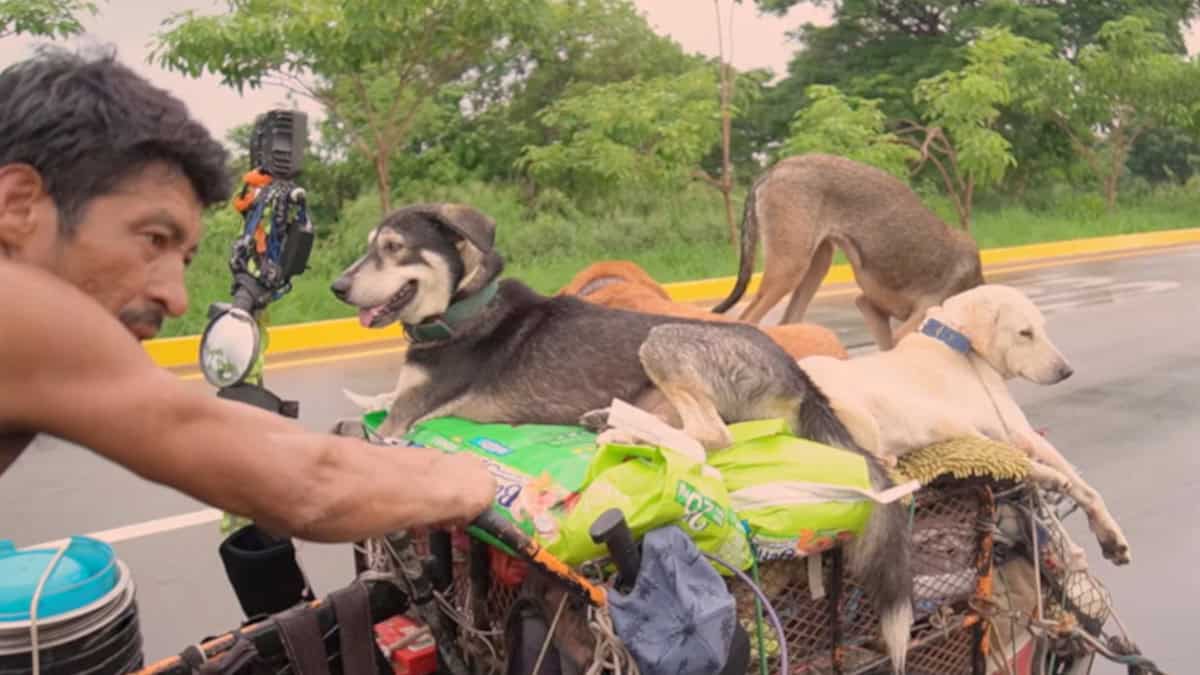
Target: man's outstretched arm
72	370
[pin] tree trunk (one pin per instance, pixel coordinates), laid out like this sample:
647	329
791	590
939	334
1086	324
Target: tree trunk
383	182
964	214
1112	182
726	84
726	164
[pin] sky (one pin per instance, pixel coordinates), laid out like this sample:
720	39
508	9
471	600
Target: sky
758	42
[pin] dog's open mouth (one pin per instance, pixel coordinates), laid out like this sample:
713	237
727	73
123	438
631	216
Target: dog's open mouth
381	315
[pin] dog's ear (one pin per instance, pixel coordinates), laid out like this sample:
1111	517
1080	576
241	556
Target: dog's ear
476	242
470	223
975	313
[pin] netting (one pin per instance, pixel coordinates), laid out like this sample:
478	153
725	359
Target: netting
946	545
948	549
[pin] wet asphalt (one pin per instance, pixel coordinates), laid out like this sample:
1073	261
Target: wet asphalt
1129	419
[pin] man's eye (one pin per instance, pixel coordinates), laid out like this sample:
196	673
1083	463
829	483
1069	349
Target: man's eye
393	246
1027	334
158	239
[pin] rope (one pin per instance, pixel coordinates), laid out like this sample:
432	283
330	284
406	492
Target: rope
610	654
33	605
537	667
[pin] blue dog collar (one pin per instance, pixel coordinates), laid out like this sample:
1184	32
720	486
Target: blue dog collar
943	333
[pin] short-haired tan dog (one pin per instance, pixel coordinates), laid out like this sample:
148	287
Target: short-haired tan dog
949	380
623	284
905	258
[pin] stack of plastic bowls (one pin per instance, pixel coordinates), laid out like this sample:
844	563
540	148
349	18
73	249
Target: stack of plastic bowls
86	615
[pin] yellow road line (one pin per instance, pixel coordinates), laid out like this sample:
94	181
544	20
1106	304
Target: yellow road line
349	355
312	361
709	289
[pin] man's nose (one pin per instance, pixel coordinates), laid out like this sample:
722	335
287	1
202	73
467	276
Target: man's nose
340	287
170	291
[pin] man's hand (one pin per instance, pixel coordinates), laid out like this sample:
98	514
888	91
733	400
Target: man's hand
476	488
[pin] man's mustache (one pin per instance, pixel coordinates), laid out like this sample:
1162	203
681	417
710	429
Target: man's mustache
142	316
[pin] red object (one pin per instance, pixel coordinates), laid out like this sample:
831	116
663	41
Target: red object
418	657
506	569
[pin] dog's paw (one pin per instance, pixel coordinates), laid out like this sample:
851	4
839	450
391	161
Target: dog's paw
1115	548
619	437
1113	545
716	440
595	421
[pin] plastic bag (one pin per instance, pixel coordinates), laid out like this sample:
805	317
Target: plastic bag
796	496
654	487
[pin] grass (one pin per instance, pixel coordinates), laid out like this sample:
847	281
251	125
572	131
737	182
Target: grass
678	238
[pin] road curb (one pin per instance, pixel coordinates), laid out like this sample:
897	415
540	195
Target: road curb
183	351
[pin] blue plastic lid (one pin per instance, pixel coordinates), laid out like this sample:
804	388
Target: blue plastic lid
85	573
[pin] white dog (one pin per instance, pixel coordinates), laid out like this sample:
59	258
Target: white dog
948	381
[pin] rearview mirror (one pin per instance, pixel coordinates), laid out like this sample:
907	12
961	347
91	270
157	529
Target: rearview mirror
229	347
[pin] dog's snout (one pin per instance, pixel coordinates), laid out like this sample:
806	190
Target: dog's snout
341	287
1065	371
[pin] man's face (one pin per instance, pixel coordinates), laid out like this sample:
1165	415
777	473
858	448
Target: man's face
129	248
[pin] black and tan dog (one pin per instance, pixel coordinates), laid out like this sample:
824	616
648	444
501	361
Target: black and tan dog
494	350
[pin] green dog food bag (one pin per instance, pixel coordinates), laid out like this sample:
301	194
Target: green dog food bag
797	497
539	468
553	482
653	487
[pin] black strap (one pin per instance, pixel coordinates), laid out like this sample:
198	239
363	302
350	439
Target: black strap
241	653
356	635
302	640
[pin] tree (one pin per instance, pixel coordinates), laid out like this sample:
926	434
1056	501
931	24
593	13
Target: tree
373	65
726	76
849	126
961	111
1076	23
1123	86
643	133
46	18
578	45
883	48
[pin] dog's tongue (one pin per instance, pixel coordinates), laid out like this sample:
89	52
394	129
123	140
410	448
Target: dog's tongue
366	316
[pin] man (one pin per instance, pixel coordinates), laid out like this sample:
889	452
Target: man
103	180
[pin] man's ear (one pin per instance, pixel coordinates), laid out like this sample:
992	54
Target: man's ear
21	187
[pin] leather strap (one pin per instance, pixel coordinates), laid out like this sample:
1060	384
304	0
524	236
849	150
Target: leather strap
242	654
302	640
356	634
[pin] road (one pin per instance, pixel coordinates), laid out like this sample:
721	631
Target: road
1128	419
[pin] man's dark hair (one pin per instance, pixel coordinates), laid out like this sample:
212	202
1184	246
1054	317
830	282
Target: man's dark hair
86	124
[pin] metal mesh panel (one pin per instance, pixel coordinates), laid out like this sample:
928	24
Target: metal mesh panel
943	654
945	545
945	550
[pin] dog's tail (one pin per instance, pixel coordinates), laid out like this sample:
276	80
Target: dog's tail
749	249
881	558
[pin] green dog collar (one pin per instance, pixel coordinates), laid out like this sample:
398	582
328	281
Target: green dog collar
442	327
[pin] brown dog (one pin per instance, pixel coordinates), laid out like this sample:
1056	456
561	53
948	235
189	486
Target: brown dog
905	258
622	284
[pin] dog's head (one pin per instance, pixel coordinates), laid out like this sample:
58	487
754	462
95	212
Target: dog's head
1007	330
420	259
